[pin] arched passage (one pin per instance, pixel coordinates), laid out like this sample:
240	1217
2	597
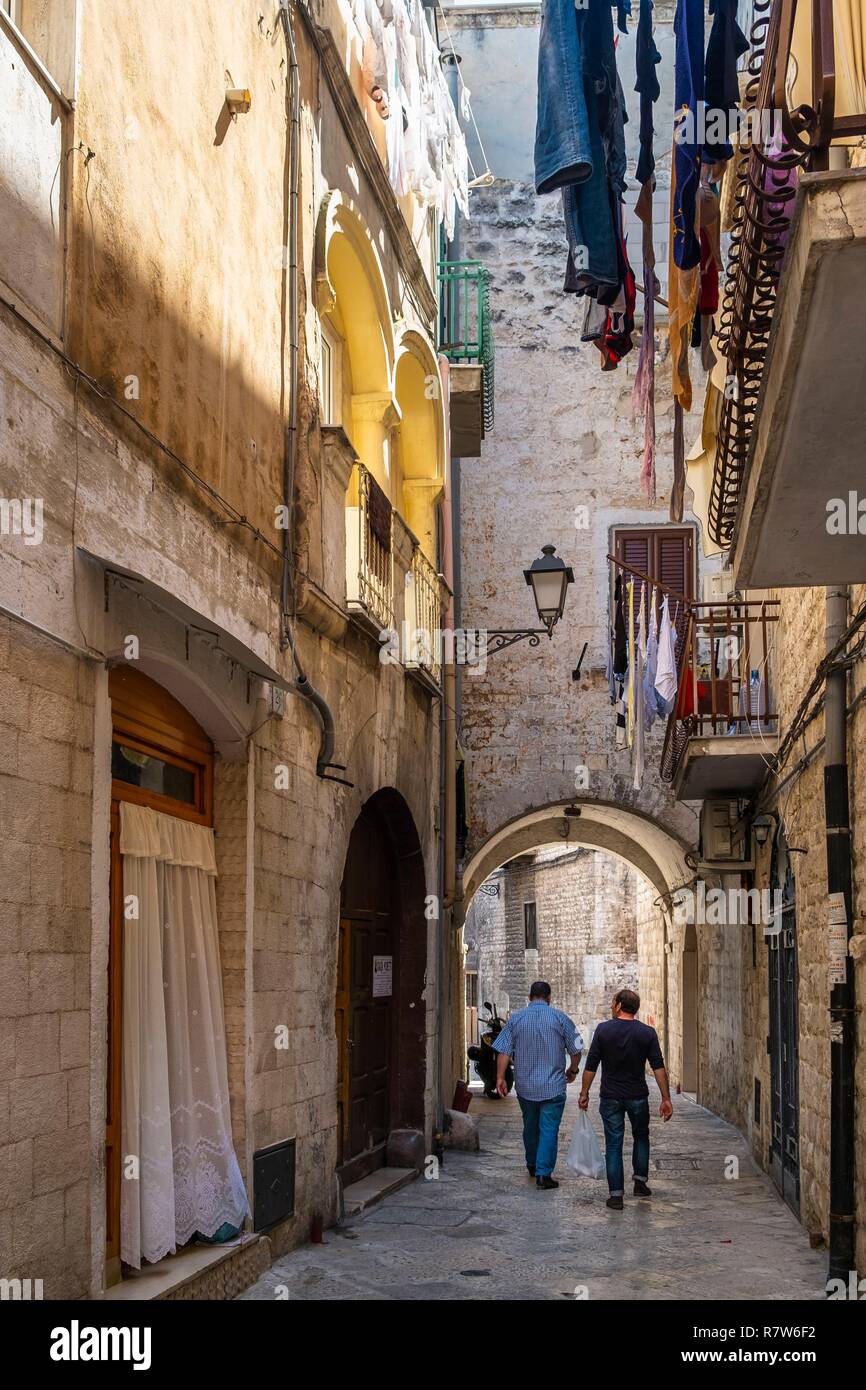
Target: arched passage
639	841
628	834
380	1009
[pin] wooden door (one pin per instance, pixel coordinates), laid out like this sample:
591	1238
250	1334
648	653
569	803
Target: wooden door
367	971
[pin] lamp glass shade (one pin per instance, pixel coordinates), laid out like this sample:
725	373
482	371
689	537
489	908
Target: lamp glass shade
549	577
548	589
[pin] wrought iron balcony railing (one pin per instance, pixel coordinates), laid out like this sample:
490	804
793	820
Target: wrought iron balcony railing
778	142
369	554
424	617
464	322
723	685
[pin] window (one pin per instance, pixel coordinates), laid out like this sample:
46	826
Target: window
49	29
471	990
663	553
530	927
329	378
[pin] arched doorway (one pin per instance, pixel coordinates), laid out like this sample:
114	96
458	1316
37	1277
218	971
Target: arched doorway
689	1067
171	1169
380	1009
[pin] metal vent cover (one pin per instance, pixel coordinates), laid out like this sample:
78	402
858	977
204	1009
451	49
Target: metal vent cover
273	1184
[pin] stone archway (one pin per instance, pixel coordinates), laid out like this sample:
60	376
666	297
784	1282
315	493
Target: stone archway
628	834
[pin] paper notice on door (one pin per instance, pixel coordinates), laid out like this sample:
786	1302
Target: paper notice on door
383	968
837	939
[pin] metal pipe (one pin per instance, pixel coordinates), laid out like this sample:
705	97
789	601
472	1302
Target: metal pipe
290	453
318	701
839	881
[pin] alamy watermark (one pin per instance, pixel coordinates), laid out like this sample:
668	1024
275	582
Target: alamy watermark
22	516
729	907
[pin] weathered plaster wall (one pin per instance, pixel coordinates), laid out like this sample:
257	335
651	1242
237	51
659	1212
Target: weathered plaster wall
185	293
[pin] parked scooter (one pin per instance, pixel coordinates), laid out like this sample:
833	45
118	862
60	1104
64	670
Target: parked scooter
485	1058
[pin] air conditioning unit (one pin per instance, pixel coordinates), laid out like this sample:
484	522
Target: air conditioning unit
725	840
719	587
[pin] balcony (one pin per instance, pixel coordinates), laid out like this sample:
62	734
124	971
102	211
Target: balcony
466	340
369	552
785	494
722	732
424	598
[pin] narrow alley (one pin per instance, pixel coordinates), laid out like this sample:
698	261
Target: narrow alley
483	1231
432	664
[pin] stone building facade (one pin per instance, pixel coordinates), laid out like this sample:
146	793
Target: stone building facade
579	908
147	354
708	985
568	455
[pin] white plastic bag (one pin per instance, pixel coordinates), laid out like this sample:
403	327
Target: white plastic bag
584	1154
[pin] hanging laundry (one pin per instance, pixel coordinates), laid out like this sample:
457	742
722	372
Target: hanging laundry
666	668
580	149
643	392
649	678
620	715
630	678
620	647
647	58
726	45
685	248
638	752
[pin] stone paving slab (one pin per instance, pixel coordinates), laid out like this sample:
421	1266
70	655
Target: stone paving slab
482	1230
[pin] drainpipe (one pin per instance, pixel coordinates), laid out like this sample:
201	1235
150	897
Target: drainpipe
447	936
291	446
839	880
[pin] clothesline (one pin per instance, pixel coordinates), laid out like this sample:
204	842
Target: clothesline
653	583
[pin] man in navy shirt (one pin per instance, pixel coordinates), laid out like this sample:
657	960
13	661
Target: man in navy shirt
623	1046
539	1038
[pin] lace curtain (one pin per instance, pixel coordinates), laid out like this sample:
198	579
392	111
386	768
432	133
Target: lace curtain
175	1104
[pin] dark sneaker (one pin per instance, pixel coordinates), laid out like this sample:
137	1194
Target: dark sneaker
641	1189
546	1182
531	1172
615	1203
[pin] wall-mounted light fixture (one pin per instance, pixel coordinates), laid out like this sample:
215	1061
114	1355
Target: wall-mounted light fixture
761	827
239	100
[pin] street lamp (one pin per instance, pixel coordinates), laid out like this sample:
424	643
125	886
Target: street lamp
550	577
761	827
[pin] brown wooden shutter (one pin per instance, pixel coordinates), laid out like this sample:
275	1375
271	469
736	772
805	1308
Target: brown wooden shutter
665	554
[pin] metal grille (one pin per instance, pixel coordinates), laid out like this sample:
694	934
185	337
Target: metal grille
273	1184
763	206
425	616
375	564
464	328
724	645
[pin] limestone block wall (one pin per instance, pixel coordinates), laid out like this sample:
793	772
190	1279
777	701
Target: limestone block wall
586	927
651	962
46	759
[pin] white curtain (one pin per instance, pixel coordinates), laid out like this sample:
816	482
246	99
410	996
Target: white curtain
175	1103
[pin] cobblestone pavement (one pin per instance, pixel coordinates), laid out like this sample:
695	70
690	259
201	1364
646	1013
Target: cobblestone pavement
482	1229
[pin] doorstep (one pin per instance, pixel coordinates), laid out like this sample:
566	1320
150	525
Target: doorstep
374	1187
199	1272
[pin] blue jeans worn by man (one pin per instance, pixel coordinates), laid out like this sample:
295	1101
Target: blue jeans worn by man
541	1121
622	1046
613	1113
538	1038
